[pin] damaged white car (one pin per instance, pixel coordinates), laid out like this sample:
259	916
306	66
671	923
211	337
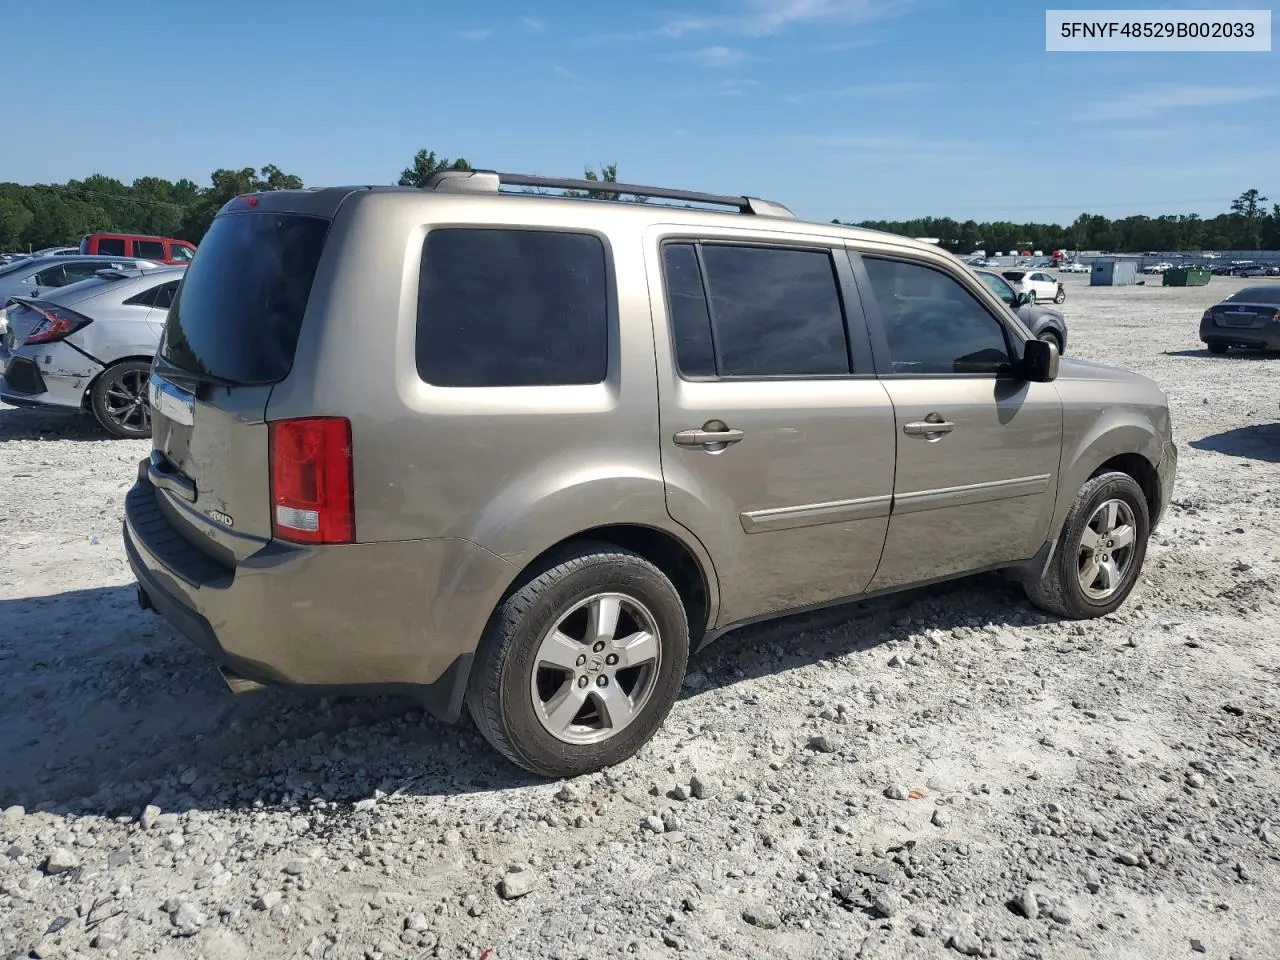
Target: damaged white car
88	346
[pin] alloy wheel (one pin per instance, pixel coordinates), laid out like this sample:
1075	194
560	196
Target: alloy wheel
596	668
1106	549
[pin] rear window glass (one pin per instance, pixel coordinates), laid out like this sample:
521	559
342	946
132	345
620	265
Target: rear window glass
511	308
239	310
1257	295
1013	274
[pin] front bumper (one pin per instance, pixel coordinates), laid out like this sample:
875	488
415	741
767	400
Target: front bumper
1166	472
52	375
401	616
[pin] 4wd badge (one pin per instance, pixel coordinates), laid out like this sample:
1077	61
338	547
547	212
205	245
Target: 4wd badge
221	517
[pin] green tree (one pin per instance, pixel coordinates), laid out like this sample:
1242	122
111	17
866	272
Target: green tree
425	163
1249	209
225	186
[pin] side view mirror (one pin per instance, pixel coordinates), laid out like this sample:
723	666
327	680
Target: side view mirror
1020	299
1040	361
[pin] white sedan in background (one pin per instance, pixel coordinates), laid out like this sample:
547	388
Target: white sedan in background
1036	284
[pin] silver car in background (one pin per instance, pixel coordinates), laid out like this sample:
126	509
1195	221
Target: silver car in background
37	276
89	345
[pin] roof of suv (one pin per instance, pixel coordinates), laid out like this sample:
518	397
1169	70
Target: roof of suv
485	186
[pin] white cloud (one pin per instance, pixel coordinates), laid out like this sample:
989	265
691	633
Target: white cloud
763	18
1156	98
896	146
733	88
476	35
716	58
859	91
760	18
533	25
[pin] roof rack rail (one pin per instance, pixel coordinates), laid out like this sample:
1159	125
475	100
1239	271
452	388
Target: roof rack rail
490	181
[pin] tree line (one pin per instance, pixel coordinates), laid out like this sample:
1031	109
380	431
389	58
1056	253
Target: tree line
1248	225
33	216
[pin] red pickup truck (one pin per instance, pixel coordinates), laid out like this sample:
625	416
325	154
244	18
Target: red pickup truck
158	249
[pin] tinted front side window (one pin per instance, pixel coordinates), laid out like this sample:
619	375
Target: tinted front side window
110	247
148	249
933	324
998	287
508	308
239	311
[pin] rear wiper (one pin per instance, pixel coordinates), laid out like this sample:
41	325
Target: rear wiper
172	372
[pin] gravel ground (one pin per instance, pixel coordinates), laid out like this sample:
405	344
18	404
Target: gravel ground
947	772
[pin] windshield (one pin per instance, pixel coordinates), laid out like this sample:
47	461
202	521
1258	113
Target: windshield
238	312
998	287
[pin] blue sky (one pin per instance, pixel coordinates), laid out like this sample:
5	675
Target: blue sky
854	109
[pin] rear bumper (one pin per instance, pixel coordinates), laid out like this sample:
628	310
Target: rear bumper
51	376
400	617
1260	338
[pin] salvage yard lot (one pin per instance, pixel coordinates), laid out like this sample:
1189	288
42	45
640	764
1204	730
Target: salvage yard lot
1109	788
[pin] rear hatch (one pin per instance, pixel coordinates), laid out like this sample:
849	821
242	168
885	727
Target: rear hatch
229	337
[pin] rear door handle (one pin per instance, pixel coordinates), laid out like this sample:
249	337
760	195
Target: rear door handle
706	438
931	428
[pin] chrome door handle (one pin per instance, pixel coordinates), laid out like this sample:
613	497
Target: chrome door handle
705	438
933	429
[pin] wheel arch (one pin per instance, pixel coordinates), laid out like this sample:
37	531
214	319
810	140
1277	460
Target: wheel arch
1123	444
687	567
85	403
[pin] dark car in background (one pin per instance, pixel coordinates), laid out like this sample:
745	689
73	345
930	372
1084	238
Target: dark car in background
1045	323
1248	318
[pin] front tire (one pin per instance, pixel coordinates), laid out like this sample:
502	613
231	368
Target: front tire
581	662
120	402
1100	551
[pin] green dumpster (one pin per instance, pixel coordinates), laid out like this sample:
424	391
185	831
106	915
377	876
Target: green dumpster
1193	277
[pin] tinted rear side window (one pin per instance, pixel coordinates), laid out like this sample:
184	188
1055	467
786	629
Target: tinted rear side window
239	310
774	311
511	308
148	249
110	247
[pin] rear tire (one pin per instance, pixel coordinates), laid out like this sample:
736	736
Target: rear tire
120	402
1031	298
1060	296
549	679
1216	346
1100	551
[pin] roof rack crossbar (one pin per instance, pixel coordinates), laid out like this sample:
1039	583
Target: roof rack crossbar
490	181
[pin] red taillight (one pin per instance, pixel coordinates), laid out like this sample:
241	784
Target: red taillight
311	484
55	325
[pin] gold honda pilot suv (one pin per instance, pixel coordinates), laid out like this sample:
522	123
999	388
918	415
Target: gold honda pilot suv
524	453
